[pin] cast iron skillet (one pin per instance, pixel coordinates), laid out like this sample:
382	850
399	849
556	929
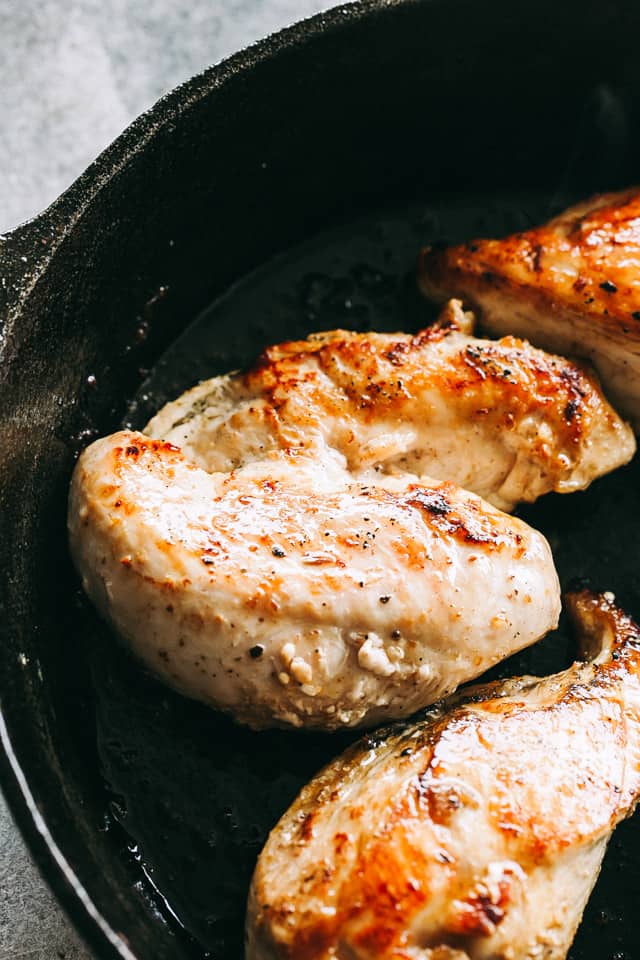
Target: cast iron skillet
339	145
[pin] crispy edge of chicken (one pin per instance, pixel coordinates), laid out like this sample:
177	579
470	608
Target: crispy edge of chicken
571	285
500	418
474	833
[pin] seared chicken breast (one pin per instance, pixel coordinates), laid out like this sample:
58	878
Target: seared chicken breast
572	285
500	418
303	598
474	833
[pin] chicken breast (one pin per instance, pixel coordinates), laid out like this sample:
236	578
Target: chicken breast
285	598
502	419
572	285
475	833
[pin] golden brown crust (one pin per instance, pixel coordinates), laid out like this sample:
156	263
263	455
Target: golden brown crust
379	376
437	832
586	260
473	526
361	379
501	418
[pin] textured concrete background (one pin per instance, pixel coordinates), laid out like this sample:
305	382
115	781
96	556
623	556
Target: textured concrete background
73	74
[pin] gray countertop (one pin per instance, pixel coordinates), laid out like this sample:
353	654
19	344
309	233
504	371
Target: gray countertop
74	74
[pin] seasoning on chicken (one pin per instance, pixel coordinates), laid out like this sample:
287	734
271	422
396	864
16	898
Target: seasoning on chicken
572	285
315	601
475	833
500	418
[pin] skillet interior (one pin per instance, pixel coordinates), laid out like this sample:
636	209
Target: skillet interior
388	110
195	795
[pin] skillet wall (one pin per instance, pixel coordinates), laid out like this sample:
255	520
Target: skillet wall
365	105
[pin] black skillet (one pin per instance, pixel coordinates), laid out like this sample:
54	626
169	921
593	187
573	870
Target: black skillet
286	190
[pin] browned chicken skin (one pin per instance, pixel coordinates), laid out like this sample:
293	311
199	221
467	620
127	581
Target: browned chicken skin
475	833
571	285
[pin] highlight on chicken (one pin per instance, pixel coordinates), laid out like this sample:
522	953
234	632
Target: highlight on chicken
571	285
500	418
474	833
297	598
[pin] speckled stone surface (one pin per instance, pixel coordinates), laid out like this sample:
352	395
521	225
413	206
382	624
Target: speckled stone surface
73	75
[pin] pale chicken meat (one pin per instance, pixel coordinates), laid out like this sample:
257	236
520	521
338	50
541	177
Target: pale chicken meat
572	285
500	418
288	597
474	833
